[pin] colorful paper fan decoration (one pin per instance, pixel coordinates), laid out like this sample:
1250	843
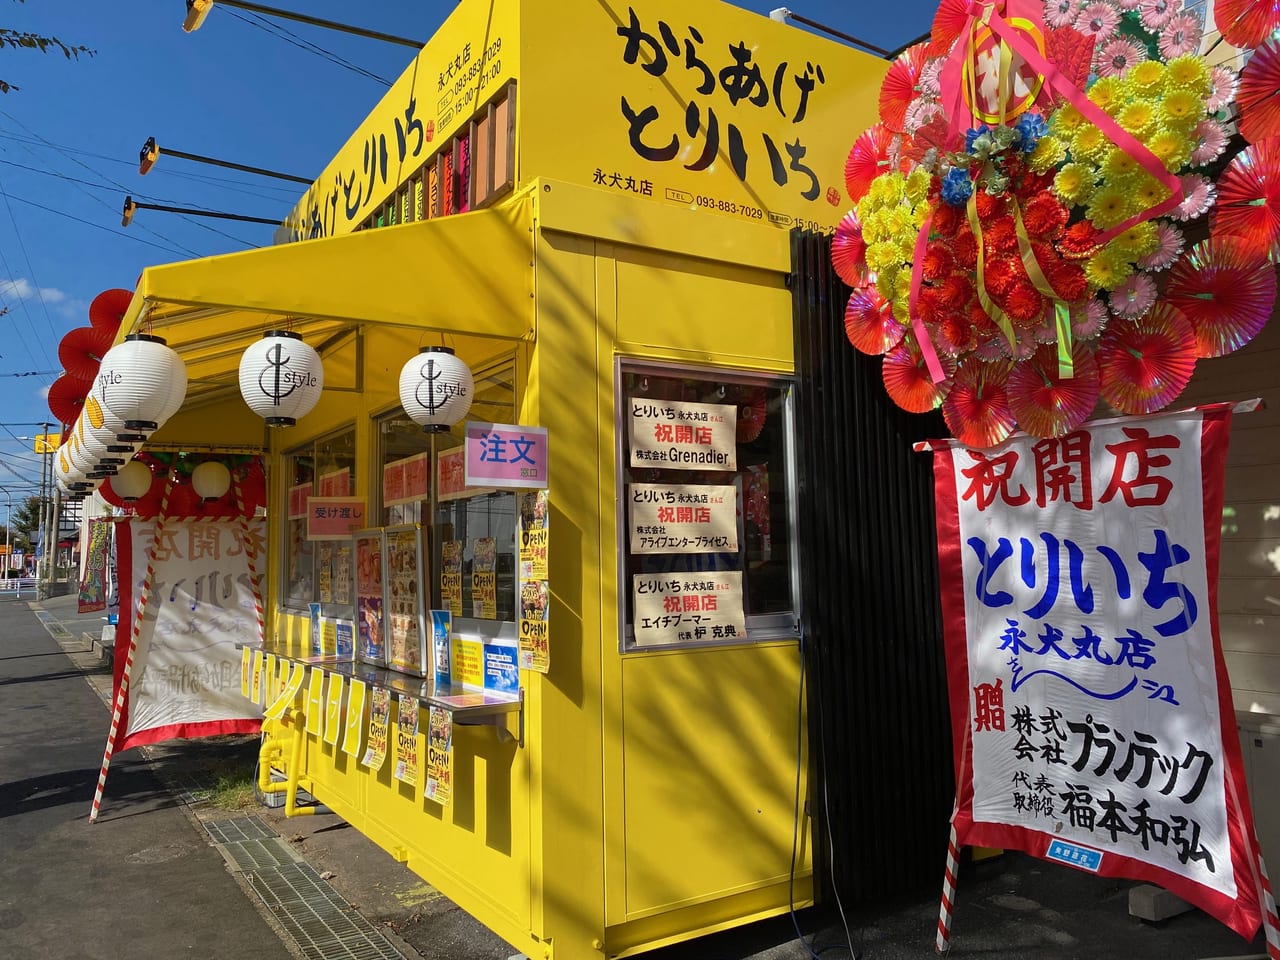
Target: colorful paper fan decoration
849	250
898	88
66	397
907	380
867	160
869	322
1248	209
948	21
1144	364
1048	404
80	351
1226	293
108	309
1072	52
1259	95
1246	23
977	408
752	408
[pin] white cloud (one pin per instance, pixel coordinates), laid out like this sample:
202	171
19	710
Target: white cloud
24	289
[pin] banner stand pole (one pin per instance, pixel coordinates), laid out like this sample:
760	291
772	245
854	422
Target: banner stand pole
122	695
943	944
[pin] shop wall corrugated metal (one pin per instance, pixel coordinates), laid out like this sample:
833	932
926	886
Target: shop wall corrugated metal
879	738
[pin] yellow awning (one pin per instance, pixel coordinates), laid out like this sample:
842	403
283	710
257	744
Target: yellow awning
469	274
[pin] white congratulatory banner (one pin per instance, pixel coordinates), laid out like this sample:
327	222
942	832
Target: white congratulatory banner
200	608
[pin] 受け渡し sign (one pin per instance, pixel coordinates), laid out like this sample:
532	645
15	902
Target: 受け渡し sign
334	518
677	435
1091	712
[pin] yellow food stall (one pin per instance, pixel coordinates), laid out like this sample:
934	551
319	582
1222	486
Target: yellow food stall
588	204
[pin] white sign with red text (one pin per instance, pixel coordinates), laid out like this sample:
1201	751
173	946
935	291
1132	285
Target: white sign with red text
683	518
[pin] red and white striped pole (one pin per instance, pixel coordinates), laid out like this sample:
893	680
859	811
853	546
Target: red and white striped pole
1270	919
140	609
943	944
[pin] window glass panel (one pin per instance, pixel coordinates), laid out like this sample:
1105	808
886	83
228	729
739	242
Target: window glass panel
680	531
317	571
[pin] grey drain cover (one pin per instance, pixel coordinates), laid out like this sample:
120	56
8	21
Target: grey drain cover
320	921
239	829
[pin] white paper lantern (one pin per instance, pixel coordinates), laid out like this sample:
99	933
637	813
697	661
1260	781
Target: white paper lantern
281	378
101	443
107	427
210	480
70	479
436	389
132	482
142	381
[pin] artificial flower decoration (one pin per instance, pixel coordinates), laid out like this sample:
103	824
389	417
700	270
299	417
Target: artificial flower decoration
1016	248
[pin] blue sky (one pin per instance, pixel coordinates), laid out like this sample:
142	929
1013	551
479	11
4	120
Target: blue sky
70	135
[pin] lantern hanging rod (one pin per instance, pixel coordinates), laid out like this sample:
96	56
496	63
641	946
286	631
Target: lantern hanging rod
131	206
782	15
197	10
151	151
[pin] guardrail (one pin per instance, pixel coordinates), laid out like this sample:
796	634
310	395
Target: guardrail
16	585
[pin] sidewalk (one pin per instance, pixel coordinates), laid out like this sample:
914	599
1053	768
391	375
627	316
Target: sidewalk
140	883
153	852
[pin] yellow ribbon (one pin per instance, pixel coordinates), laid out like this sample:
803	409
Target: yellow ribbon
1041	283
994	312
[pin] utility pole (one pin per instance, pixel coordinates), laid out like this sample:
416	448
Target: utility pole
42	444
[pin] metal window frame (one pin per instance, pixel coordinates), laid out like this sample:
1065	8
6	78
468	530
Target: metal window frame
762	627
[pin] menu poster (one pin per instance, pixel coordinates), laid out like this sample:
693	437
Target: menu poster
484	579
334	575
317	641
439	785
535	593
692	607
405	481
325	576
370	613
407	740
451	576
405	618
341	574
451	469
535	648
379	715
298	494
534	535
335	483
441	633
344	639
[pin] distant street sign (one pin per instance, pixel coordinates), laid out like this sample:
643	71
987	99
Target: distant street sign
47	442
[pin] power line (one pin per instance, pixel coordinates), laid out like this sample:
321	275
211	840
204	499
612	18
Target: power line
95	186
98	226
229	183
31	272
33	373
293	39
189	251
